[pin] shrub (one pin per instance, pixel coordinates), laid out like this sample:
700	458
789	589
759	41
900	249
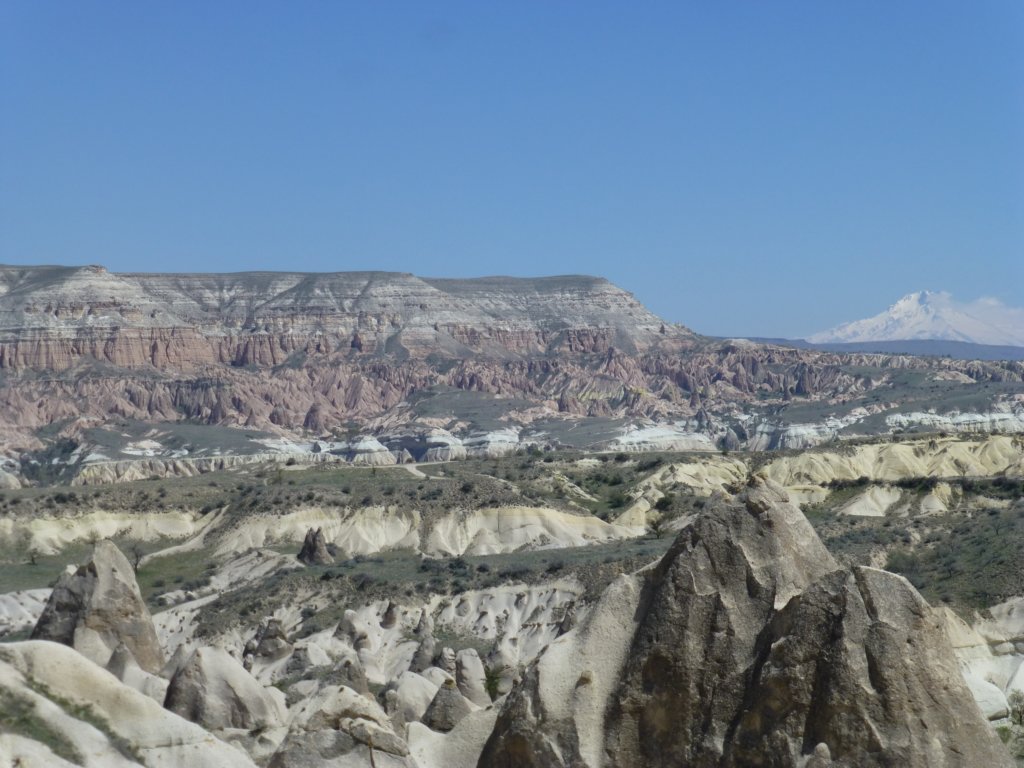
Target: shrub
1016	702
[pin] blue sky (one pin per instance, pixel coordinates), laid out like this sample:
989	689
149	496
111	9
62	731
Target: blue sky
744	167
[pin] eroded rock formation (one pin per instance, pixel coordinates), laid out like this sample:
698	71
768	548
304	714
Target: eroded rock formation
314	549
97	607
214	690
303	353
749	646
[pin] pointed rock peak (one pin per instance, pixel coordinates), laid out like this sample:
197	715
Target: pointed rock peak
121	661
748	644
759	536
214	690
314	548
98	607
447	708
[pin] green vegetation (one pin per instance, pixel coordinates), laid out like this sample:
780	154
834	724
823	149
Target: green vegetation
17	572
976	562
492	678
189	570
969	558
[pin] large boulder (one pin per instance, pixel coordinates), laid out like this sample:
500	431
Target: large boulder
413	695
97	607
214	690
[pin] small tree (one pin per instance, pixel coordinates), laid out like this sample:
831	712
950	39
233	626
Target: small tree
137	554
665	502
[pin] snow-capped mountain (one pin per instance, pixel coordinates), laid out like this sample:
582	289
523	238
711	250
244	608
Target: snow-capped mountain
934	315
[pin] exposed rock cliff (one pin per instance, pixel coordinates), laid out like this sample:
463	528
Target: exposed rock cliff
55	317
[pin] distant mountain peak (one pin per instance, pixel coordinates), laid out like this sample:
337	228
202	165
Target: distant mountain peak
921	298
934	315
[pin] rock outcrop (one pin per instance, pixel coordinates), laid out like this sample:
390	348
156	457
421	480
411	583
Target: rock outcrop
98	607
314	548
338	726
271	641
860	662
214	690
447	708
748	646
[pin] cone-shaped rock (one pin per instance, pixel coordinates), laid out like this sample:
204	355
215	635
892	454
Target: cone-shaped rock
214	690
314	548
447	708
97	607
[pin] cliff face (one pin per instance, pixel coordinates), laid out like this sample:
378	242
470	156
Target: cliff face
52	318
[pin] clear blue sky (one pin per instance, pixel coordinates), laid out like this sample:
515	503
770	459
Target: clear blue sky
760	168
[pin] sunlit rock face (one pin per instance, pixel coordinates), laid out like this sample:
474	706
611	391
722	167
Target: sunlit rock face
55	317
98	607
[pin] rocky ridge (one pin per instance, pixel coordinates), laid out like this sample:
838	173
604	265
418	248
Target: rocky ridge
54	317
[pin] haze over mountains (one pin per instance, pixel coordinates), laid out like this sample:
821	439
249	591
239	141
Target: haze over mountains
934	315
